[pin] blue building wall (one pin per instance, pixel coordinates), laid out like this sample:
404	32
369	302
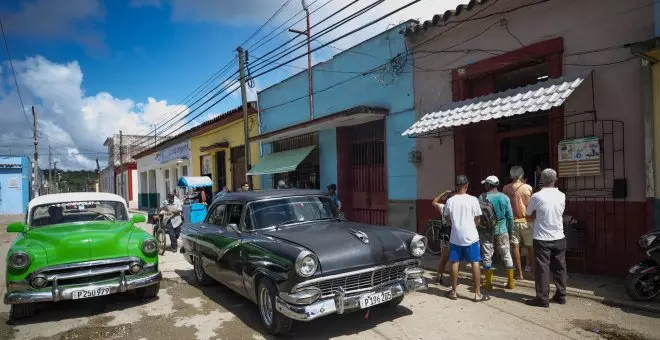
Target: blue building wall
15	176
391	87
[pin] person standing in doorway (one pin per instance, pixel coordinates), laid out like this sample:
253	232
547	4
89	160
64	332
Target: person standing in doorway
523	226
245	187
332	192
281	184
464	211
497	234
444	254
549	242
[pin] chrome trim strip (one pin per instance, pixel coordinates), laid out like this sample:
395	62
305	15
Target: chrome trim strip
87	273
411	262
88	264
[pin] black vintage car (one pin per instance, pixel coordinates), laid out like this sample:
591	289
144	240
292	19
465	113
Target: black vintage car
288	251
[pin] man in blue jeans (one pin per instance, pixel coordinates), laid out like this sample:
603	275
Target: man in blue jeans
463	211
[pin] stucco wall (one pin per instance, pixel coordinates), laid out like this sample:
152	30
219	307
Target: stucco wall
388	90
232	133
584	25
14	199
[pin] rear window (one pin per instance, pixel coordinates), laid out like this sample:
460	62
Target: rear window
77	211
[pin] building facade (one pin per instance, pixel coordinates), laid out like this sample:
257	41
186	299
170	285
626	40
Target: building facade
362	102
547	84
218	148
159	171
15	189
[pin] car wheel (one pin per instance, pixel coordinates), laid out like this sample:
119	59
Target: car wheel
160	237
274	322
200	274
148	292
392	303
21	311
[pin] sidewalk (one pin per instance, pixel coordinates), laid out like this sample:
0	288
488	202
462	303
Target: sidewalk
609	291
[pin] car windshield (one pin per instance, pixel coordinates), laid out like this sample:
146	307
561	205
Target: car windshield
281	211
79	211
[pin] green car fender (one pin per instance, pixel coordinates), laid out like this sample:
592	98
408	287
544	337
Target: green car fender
36	253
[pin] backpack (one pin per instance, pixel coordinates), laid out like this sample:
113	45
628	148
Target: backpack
488	218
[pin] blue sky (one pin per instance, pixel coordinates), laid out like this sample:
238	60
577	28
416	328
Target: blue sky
93	67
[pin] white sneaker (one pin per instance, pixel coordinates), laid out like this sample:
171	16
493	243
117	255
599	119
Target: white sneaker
528	269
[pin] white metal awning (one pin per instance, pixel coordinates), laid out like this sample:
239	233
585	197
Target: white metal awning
531	98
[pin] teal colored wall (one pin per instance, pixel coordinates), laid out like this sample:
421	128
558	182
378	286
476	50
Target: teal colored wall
14	200
390	89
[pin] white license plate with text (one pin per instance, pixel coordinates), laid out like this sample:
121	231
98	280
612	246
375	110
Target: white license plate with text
89	293
373	299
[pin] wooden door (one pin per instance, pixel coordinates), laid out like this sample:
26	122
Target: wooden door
220	163
237	167
367	172
481	152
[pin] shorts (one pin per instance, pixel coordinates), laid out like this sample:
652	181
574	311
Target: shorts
471	253
523	234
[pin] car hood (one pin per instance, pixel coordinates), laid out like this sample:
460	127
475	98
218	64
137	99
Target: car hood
84	241
338	249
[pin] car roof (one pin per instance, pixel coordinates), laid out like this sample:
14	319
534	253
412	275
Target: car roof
266	194
75	197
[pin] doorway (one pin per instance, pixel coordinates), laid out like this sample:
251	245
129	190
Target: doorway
220	163
527	151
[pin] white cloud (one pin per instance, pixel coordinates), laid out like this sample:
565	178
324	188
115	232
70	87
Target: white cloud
70	121
71	20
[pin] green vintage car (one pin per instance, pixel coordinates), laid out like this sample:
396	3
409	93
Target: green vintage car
75	246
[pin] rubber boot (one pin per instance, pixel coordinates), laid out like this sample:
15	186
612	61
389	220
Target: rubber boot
511	281
489	279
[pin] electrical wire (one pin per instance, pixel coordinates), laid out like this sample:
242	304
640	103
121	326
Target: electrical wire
11	64
286	3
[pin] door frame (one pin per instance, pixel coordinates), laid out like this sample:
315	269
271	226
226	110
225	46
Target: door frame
499	136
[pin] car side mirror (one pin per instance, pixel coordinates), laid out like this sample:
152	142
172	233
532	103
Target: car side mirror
138	218
16	227
233	227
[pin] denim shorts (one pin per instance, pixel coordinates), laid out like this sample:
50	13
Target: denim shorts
471	253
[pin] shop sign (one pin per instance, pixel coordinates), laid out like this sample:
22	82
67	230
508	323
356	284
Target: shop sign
13	182
179	151
579	157
206	165
10	166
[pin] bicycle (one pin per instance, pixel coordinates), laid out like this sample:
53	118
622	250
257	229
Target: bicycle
437	236
160	232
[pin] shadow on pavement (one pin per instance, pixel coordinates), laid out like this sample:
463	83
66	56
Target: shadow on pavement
327	327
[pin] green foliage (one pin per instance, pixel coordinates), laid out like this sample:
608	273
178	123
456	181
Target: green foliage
73	181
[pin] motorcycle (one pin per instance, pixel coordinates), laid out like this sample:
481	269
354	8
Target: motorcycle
643	281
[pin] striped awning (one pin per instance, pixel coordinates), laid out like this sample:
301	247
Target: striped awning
532	98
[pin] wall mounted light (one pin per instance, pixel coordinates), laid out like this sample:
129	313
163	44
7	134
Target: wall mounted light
415	157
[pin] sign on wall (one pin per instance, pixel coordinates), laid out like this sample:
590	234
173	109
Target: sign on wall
179	151
206	165
13	182
579	157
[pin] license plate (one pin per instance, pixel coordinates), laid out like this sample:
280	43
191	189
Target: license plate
373	299
89	293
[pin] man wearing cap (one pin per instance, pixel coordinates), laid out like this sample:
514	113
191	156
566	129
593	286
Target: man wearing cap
172	207
463	211
498	233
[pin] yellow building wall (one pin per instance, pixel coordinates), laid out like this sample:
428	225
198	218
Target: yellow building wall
655	69
232	133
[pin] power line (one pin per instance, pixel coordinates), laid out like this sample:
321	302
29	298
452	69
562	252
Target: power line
11	64
267	22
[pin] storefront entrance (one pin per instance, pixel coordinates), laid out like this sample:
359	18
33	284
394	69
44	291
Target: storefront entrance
363	147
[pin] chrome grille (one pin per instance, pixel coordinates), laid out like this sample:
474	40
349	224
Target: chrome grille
87	272
361	280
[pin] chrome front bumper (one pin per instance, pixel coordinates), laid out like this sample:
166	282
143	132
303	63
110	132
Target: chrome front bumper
342	303
57	293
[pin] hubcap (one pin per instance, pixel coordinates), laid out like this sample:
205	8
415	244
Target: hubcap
266	306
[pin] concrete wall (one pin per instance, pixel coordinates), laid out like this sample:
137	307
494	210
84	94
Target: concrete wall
391	90
234	134
584	25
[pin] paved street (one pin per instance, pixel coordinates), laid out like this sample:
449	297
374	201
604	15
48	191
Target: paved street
185	311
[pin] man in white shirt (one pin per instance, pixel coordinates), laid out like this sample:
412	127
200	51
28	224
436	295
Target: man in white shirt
463	211
549	242
173	207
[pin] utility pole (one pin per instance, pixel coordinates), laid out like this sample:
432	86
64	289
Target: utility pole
55	169
121	164
50	168
246	126
155	135
308	33
35	170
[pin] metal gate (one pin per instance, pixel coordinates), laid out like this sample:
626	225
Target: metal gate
368	175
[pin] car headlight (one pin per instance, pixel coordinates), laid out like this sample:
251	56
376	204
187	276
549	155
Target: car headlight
19	260
418	245
149	246
646	241
306	264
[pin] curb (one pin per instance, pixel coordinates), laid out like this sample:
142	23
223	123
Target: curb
575	292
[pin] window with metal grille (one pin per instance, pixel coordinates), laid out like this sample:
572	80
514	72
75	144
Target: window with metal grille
307	174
